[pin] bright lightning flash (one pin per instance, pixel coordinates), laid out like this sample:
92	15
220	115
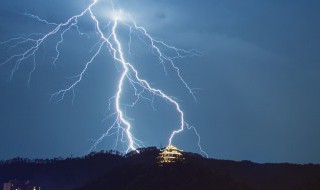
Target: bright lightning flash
118	15
121	126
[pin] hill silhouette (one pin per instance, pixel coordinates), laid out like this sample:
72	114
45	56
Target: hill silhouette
111	170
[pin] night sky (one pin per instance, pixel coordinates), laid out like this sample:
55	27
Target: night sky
257	83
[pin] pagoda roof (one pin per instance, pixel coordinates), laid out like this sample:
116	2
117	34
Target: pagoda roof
170	154
171	147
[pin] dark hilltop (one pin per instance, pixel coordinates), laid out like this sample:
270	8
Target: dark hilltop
111	170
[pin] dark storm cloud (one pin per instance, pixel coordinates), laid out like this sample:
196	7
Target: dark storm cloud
259	80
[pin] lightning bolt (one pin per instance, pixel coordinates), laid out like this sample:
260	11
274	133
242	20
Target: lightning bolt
121	127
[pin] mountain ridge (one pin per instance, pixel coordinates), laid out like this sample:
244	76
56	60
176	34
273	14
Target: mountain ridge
111	170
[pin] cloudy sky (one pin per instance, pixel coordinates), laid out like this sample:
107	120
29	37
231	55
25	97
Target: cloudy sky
257	82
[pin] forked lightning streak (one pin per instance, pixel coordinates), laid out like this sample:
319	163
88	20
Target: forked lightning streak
121	126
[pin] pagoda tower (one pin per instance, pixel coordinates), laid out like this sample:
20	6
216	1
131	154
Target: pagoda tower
170	154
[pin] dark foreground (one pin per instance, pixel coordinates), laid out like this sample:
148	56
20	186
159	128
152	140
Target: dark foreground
104	171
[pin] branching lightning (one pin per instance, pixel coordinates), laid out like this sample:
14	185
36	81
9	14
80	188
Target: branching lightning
121	127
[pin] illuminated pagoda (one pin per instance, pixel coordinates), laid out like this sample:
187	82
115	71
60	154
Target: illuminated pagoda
170	154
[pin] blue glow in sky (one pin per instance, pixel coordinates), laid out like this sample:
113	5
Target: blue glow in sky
257	82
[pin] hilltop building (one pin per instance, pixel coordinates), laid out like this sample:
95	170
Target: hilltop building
170	154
